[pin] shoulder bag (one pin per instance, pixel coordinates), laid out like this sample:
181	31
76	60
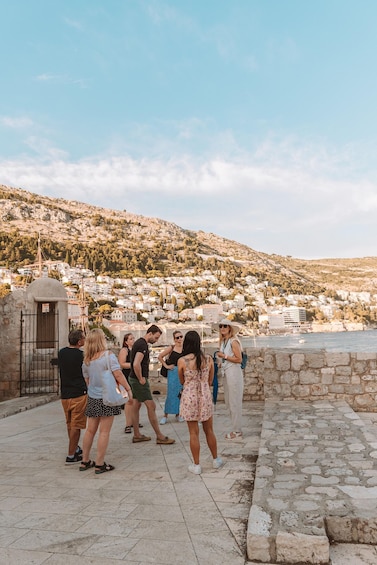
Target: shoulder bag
113	394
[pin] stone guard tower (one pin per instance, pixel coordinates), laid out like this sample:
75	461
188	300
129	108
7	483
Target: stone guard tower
34	326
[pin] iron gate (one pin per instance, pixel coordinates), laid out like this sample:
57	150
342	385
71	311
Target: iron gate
39	351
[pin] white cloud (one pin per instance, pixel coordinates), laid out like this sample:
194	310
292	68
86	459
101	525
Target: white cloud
16	123
61	79
281	195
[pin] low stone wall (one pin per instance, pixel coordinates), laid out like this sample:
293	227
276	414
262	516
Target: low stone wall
10	344
311	375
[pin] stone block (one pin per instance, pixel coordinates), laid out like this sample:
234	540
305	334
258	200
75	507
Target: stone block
343	371
258	535
342	379
340	528
269	361
334	359
297	361
327	379
366	356
302	548
283	361
258	548
271	376
363	401
368	377
359	367
289	377
315	360
309	377
301	391
336	389
319	390
366	530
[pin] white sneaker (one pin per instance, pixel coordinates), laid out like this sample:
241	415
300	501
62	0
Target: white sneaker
196	469
163	420
217	463
179	419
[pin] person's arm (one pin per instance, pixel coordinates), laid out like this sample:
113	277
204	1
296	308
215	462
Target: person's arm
137	367
211	371
237	354
181	371
85	373
122	358
121	379
164	354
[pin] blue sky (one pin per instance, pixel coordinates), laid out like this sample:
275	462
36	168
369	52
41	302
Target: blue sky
252	119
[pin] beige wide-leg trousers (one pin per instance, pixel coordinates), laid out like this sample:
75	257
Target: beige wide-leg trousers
233	393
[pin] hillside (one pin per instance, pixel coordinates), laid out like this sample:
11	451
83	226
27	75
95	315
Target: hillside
119	242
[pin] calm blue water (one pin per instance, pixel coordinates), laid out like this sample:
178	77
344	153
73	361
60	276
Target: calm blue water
364	341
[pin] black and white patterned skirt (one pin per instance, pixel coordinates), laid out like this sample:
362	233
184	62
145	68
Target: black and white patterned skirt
96	408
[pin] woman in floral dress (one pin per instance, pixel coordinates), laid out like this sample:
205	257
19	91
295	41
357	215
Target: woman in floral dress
195	373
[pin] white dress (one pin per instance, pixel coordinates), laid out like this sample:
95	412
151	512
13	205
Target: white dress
233	386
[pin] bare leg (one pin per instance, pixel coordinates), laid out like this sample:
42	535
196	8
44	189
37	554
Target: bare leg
194	440
210	436
103	439
135	416
151	408
91	431
128	412
74	436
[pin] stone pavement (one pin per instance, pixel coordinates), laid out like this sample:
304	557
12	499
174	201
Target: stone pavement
149	510
316	480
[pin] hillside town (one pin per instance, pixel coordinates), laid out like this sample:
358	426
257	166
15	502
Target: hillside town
198	301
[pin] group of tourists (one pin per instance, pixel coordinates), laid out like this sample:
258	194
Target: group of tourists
190	374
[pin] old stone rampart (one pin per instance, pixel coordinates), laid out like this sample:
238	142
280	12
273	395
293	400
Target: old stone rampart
311	375
10	344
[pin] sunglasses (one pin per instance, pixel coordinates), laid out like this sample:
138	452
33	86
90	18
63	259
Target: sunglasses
223	326
178	337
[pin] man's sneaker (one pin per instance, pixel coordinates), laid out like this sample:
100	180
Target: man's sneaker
196	469
75	459
78	450
217	463
179	419
163	420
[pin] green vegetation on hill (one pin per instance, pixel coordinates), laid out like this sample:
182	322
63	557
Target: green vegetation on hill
119	243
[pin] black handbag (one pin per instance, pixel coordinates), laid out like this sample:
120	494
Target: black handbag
163	371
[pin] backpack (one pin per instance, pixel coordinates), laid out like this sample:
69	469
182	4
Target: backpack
244	356
244	360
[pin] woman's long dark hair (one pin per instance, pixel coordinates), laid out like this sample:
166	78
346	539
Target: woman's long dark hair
191	344
126	336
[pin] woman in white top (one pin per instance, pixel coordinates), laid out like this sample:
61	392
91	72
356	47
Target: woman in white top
231	356
100	416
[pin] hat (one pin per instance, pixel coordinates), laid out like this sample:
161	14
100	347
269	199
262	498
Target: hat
226	322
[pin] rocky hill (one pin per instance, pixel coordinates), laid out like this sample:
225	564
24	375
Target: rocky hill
124	243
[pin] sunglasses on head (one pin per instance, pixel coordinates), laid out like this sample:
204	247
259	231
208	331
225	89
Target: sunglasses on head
223	326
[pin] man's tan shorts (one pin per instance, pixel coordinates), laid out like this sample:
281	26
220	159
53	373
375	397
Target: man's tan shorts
74	410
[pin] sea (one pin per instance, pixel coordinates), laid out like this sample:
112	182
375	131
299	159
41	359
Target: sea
360	341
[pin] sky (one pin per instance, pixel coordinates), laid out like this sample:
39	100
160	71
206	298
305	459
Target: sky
251	119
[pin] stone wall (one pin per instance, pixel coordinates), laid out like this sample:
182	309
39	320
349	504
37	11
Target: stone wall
312	375
10	344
